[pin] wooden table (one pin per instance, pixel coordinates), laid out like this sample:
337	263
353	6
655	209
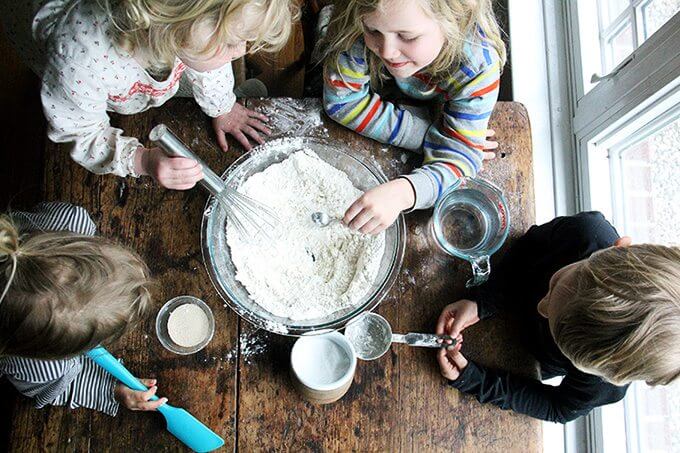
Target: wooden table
239	385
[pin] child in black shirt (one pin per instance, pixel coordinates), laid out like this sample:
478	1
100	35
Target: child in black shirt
598	311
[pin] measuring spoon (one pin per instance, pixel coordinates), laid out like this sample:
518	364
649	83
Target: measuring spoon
371	336
322	219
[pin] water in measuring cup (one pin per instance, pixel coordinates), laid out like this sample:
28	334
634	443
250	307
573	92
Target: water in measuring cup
468	221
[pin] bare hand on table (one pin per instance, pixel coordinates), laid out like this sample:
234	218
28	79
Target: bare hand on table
378	208
241	123
136	400
177	173
489	145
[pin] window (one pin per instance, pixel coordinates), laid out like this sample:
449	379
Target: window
635	177
621	153
613	29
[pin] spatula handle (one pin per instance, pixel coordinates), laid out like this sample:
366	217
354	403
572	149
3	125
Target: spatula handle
104	359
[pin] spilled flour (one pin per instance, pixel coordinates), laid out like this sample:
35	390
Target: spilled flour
305	272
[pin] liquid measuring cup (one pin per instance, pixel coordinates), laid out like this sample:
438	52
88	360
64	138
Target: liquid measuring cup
470	221
371	336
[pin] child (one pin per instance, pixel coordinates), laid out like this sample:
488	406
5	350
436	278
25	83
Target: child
597	310
445	52
64	291
127	56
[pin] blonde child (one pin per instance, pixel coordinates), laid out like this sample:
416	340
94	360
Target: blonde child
126	56
596	310
448	53
64	291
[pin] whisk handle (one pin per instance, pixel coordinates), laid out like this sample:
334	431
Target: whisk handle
173	146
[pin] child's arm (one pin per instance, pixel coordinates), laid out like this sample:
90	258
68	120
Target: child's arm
454	146
577	395
214	92
349	100
75	105
76	382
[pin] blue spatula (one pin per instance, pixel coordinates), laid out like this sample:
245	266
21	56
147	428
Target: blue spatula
181	423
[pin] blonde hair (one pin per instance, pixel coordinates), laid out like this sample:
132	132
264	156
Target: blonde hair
168	28
623	322
66	293
459	20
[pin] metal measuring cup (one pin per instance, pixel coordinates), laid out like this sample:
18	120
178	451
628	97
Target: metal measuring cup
371	336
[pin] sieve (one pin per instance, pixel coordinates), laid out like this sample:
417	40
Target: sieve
371	336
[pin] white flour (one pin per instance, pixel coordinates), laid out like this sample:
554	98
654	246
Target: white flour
305	272
188	325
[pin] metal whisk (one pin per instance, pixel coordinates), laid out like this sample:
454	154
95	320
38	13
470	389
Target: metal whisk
250	217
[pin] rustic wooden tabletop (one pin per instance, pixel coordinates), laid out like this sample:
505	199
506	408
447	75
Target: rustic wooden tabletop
239	384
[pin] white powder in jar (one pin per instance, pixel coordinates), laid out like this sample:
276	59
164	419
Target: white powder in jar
188	325
304	271
320	360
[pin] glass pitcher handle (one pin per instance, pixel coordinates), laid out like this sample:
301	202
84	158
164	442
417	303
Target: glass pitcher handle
481	268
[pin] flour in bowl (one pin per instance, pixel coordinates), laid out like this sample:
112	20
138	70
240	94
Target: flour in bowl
304	271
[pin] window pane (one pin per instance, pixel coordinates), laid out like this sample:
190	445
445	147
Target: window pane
611	9
620	46
589	36
658	417
656	13
650	178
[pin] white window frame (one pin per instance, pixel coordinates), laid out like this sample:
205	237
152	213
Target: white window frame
546	61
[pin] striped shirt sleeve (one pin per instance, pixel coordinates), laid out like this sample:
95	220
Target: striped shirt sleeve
55	216
74	382
453	147
349	100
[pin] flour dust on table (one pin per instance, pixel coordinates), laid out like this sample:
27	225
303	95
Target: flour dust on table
303	271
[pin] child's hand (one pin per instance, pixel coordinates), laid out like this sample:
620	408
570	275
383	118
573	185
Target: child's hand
457	316
451	362
239	122
138	401
379	207
489	145
177	173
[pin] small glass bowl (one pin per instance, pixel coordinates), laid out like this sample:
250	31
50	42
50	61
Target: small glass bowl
162	324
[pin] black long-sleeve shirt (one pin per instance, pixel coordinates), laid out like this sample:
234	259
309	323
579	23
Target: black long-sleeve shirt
519	282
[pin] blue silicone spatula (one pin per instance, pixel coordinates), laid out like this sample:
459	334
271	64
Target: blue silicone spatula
181	423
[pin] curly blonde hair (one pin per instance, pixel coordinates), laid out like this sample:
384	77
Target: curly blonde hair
168	28
459	20
64	293
623	320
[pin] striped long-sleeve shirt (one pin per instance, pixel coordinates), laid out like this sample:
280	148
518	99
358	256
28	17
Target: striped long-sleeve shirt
76	381
452	145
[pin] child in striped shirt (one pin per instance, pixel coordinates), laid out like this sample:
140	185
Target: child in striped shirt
64	291
445	52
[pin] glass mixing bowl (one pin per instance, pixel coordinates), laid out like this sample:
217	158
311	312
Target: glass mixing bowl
217	256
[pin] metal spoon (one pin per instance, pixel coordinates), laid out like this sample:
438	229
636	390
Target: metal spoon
371	336
322	219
